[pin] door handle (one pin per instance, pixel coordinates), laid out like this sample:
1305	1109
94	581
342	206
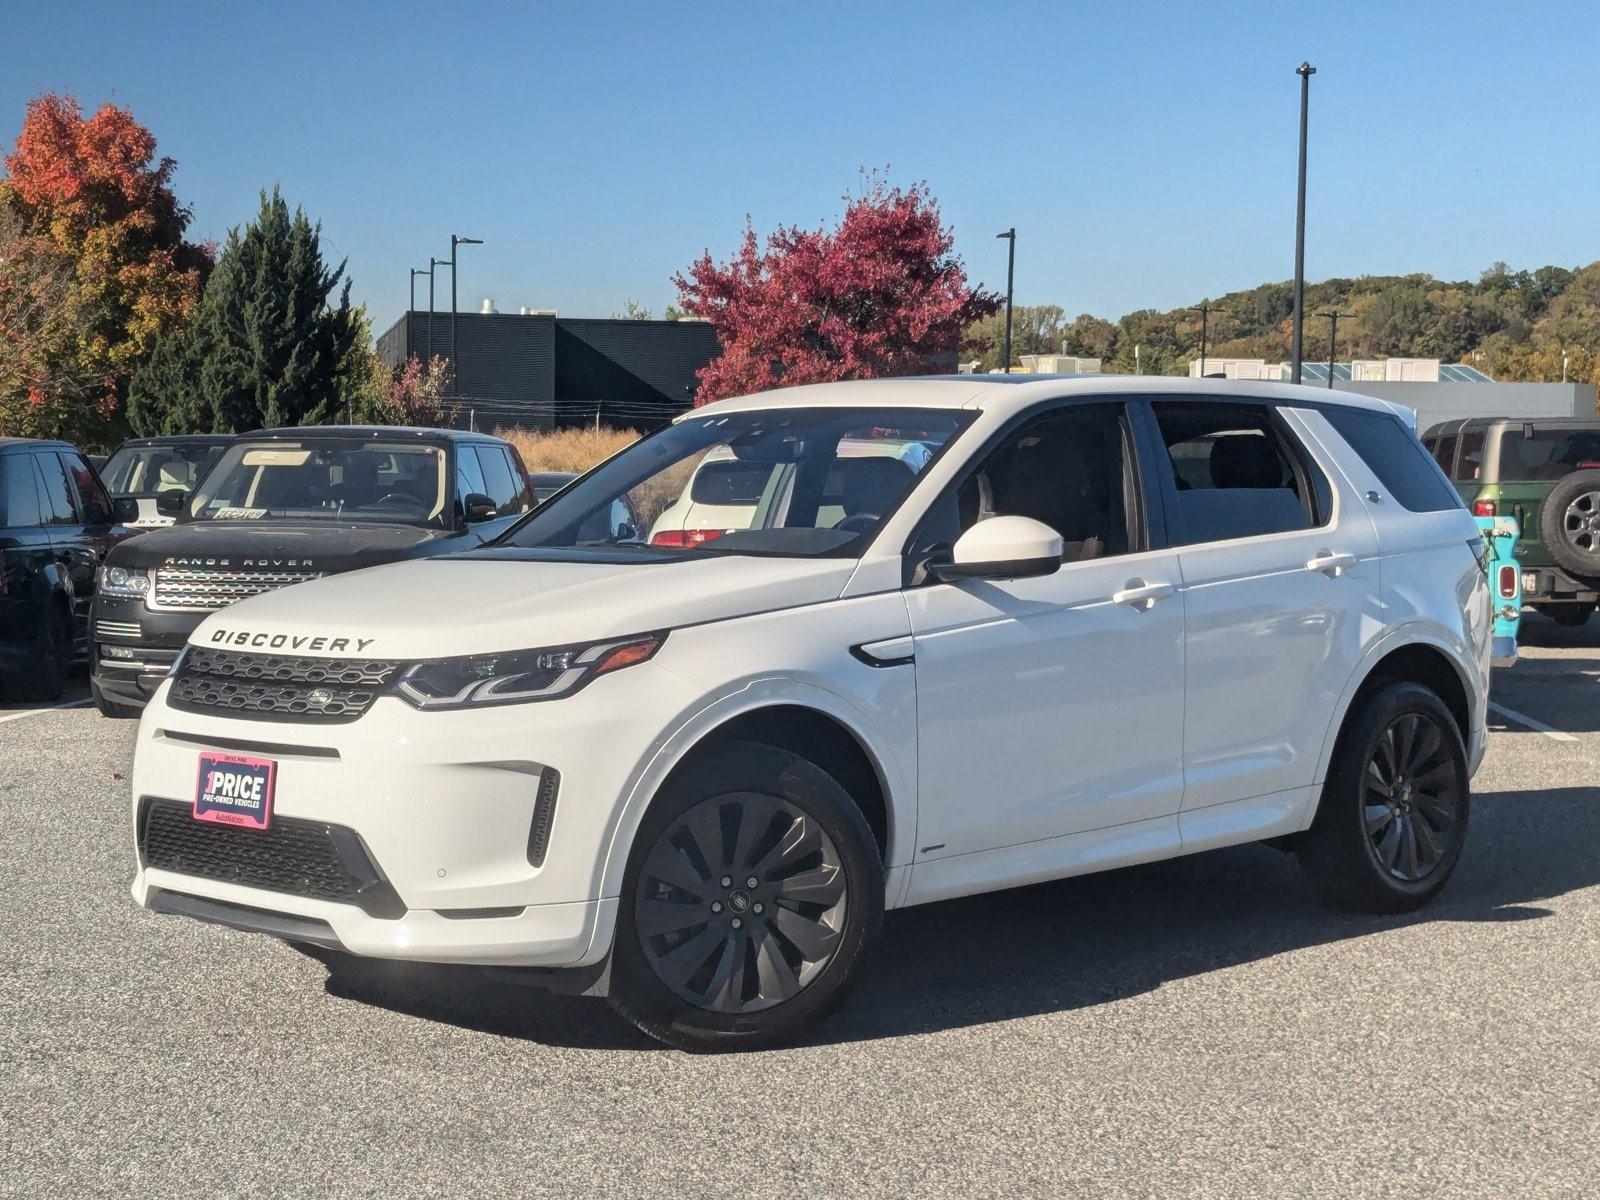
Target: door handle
1136	593
1331	564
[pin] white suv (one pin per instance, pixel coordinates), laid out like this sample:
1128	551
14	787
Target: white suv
1101	621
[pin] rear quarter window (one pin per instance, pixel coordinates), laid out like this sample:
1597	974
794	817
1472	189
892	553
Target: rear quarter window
1396	457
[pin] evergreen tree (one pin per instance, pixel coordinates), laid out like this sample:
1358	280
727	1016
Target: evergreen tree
164	394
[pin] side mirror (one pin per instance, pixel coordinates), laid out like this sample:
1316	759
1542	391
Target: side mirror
125	509
1002	548
478	507
170	502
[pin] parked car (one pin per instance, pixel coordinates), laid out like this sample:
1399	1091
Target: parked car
142	468
693	777
55	529
283	506
1544	472
548	483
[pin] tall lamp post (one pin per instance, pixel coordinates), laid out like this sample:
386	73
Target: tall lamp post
1010	236
1305	70
433	265
1205	317
1333	339
455	370
415	271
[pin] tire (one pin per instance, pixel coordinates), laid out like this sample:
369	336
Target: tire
704	965
1569	523
1570	615
48	658
114	709
1399	731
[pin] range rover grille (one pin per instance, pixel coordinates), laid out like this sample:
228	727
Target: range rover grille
330	690
206	589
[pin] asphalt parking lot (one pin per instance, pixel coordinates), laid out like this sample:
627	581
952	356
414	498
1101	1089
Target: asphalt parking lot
1196	1027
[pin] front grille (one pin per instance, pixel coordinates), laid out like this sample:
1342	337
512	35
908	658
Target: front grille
298	857
205	589
331	690
117	629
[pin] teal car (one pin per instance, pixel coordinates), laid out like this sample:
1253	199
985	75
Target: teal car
1505	577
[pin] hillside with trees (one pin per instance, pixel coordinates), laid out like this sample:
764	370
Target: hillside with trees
1512	325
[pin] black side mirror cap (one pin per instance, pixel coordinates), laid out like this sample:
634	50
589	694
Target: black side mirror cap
1017	568
475	506
125	509
170	502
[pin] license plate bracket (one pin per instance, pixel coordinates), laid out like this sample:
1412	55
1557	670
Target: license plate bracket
233	789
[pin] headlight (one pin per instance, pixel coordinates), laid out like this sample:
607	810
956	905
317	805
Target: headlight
120	581
519	676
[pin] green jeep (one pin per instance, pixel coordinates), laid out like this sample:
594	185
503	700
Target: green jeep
1545	472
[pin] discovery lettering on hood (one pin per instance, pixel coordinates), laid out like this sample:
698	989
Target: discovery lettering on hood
287	641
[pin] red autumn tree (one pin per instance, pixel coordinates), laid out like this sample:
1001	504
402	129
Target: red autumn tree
94	191
880	295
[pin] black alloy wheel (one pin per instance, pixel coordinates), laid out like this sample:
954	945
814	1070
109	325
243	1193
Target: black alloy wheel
741	903
1412	801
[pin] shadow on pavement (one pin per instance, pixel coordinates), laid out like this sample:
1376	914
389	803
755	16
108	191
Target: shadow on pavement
1070	944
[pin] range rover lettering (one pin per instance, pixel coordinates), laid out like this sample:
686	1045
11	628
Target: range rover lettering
956	635
283	507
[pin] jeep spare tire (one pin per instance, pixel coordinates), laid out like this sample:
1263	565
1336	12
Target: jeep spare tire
1569	523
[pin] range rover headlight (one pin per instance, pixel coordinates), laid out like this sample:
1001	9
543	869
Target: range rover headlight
519	676
120	581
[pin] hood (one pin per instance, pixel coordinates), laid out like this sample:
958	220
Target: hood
439	607
326	546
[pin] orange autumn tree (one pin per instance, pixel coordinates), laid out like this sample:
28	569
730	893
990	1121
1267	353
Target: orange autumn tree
91	192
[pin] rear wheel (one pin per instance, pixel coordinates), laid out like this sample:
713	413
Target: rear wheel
753	892
1393	817
43	674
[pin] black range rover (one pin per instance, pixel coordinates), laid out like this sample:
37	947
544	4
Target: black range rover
282	506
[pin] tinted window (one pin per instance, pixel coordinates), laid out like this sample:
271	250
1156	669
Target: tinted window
1469	465
498	482
1069	469
19	493
83	478
1394	455
1444	452
1547	454
1236	475
57	491
469	475
730	482
520	473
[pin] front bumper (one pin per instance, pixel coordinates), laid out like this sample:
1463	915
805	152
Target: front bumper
445	804
133	647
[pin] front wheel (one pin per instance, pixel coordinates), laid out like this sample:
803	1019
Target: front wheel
1394	809
753	892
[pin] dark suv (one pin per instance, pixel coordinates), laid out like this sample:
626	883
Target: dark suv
55	528
282	506
1545	472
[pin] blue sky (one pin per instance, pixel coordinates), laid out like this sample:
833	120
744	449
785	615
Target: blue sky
1144	151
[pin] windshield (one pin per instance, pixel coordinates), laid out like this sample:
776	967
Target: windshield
142	470
326	480
1544	455
793	482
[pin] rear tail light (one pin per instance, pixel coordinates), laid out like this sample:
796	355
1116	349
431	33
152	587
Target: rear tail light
1508	582
1483	508
685	537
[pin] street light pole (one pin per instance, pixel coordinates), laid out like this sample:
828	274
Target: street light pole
415	271
433	265
1205	318
1010	236
1305	70
455	370
1333	339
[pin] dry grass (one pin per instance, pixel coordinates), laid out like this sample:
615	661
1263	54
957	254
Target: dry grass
567	449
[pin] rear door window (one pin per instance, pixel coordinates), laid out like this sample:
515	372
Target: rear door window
19	493
1235	472
1469	463
1444	452
1396	457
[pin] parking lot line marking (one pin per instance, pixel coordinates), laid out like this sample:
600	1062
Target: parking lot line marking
34	712
1511	714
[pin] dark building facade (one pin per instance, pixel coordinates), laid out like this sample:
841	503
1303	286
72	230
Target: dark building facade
541	371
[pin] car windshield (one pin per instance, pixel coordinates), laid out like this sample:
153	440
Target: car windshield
403	483
142	470
1543	455
792	482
